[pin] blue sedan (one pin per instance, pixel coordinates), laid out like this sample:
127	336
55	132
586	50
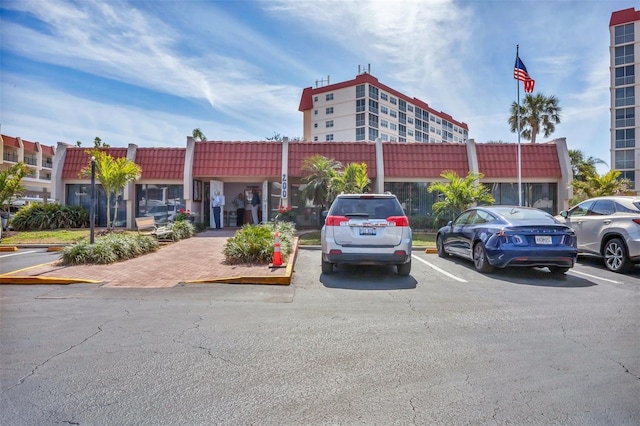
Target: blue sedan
502	236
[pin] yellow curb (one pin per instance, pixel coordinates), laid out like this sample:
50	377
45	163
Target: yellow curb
55	248
8	248
44	280
431	250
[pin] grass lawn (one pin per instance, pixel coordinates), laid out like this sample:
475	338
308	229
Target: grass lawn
54	236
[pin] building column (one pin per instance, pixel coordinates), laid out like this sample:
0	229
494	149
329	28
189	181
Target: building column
379	187
565	190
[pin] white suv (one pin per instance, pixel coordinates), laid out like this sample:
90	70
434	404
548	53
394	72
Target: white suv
608	227
366	229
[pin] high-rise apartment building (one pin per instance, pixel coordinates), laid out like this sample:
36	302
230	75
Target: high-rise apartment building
363	109
624	49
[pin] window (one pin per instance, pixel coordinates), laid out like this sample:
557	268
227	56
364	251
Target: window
410	108
402	105
315	139
329	97
410	120
402	139
361	105
624	55
409	132
384	137
384	123
393	126
624	159
623	34
360	91
373	92
402	118
402	130
329	123
373	134
625	138
625	117
360	133
329	137
315	99
393	113
315	125
393	100
373	120
419	124
315	112
373	106
393	139
328	110
384	96
384	109
628	174
625	96
625	75
360	117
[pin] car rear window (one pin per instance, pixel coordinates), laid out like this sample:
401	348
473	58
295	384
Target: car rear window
373	208
522	213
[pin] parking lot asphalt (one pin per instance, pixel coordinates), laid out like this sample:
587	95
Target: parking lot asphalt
195	260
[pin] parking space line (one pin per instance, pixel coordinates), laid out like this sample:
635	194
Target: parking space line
442	271
16	254
594	276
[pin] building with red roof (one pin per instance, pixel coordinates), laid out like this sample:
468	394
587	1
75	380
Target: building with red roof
186	178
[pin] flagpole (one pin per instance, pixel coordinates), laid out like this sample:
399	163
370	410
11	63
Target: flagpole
519	154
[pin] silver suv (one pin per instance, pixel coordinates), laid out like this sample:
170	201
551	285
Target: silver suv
366	229
608	227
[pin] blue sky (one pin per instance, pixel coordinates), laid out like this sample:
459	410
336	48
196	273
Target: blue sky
149	72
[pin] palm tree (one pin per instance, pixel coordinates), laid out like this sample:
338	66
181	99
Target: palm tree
595	185
319	174
458	194
538	113
581	167
353	179
197	134
113	175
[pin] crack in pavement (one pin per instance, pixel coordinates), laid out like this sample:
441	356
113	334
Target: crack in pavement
33	371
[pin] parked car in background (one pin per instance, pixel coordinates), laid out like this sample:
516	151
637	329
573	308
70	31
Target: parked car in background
506	236
608	227
366	229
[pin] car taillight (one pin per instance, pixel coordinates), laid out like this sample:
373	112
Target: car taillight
636	221
335	220
398	220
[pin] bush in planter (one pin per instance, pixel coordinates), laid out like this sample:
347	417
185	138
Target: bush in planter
183	229
108	249
255	243
38	217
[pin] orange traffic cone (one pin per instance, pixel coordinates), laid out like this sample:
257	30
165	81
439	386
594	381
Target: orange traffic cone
277	255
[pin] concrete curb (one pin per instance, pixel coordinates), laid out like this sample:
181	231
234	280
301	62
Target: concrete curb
24	280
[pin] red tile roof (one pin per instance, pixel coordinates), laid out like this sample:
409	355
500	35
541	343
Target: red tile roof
624	16
424	160
161	163
306	100
47	150
233	159
10	141
77	159
501	160
345	152
29	146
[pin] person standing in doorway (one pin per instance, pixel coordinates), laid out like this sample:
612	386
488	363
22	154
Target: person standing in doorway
255	204
216	203
238	203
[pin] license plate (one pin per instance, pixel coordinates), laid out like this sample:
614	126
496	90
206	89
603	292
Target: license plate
543	239
367	231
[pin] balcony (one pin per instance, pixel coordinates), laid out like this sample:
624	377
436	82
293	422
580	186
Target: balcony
32	161
10	156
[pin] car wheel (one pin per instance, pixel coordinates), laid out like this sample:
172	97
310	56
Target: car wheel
480	259
615	256
440	246
404	269
327	267
558	270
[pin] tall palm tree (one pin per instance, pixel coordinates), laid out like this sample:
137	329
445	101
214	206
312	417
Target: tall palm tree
537	113
458	194
113	175
319	174
197	134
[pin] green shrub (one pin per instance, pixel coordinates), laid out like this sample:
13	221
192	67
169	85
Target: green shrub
108	249
39	217
255	243
183	229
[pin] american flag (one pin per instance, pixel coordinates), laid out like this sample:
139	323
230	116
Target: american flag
520	73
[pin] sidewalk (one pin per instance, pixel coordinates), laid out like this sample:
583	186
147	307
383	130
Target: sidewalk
195	260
